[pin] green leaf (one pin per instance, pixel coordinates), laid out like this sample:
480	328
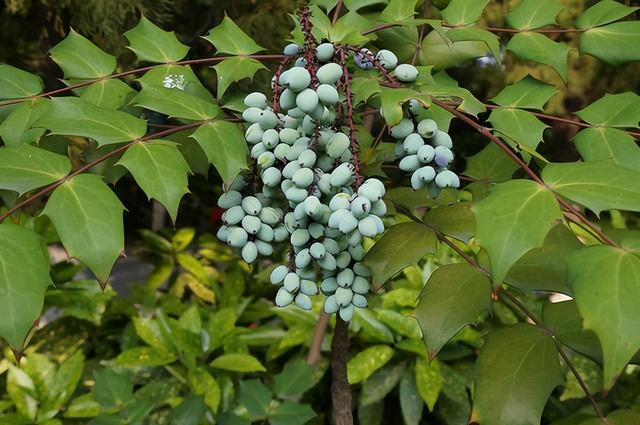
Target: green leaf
358	4
149	331
438	51
468	102
603	12
255	397
520	126
602	143
604	281
545	268
202	383
536	47
82	299
235	69
76	117
565	322
476	34
402	245
151	43
64	383
229	38
108	94
112	390
290	413
80	58
363	88
372	328
175	103
293	380
26	167
237	362
454	296
177	77
225	147
392	99
617	417
16	83
398	11
83	406
514	218
88	218
615	44
491	164
160	170
516	371
381	383
527	93
613	110
532	14
401	324
144	356
599	186
428	381
191	411
455	220
24	276
17	129
366	362
410	402
463	12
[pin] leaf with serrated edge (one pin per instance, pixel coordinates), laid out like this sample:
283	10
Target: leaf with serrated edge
225	147
603	12
454	296
80	58
17	129
613	110
235	69
599	186
27	167
618	417
532	14
476	34
16	83
518	125
463	12
88	218
615	44
151	43
175	103
516	371
528	93
229	38
491	164
109	94
402	245
24	276
160	170
539	48
514	218
605	284
602	143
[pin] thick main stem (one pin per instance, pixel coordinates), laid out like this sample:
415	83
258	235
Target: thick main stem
340	388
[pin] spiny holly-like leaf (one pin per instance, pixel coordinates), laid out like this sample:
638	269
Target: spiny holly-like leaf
175	103
16	83
398	11
357	4
603	12
367	361
528	93
531	14
565	322
516	371
76	117
545	268
518	125
17	129
229	38
514	218
490	164
618	417
392	100
152	44
402	245
615	44
455	220
613	110
476	34
160	170
235	69
605	283
468	102
599	186
88	218
224	145
238	362
463	12
363	88
24	276
80	58
176	77
26	167
539	48
108	94
453	297
602	143
438	51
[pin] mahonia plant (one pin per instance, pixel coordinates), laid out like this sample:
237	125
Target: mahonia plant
348	162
